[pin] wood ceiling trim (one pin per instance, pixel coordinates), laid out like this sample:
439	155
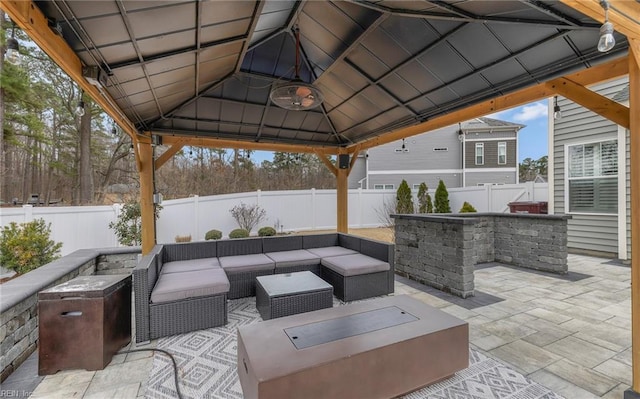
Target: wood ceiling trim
168	154
593	101
599	73
247	145
30	19
624	14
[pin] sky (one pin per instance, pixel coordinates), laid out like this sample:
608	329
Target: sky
532	139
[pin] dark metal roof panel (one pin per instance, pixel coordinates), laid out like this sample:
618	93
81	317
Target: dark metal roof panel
206	68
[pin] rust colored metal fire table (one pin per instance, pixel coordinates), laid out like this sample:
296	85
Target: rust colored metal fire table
380	348
83	322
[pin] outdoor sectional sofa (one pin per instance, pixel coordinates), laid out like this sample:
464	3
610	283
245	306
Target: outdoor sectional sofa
184	287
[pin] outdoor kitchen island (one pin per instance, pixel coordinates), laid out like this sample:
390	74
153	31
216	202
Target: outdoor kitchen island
379	348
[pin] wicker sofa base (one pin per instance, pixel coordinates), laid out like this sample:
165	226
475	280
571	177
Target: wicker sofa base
352	288
243	284
315	269
187	315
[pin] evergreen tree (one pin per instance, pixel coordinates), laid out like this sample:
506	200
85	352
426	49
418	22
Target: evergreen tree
423	195
429	204
442	199
404	199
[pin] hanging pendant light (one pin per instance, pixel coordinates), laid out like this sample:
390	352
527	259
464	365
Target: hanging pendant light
606	41
12	54
557	113
296	95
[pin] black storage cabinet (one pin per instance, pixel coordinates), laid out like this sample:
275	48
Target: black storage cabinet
83	322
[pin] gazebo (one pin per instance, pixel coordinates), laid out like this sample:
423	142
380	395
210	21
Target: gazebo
335	77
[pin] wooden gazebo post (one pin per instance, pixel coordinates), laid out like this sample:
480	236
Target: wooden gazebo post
634	143
145	163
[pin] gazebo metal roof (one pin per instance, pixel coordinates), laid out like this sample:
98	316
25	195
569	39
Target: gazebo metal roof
205	68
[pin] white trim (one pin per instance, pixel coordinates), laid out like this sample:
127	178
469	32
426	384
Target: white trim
491	170
475	153
551	204
622	193
505	153
464	161
413	171
604	139
441	171
492	139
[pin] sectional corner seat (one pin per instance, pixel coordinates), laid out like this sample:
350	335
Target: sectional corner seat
184	287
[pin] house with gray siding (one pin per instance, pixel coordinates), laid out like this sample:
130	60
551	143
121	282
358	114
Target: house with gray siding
477	152
589	175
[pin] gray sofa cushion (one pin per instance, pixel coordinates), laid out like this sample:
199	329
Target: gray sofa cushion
355	264
325	252
297	257
246	263
190	265
177	286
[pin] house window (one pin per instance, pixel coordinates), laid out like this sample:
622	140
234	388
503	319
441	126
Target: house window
383	186
479	153
502	153
593	177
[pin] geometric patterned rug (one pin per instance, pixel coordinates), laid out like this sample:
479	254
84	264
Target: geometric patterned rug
207	368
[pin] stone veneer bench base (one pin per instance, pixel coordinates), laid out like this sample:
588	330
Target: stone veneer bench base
388	356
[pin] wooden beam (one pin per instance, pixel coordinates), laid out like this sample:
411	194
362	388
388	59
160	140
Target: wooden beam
247	145
332	168
354	157
634	49
146	197
593	101
342	205
634	144
168	154
599	73
30	19
624	14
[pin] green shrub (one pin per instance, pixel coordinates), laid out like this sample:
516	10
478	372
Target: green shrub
429	204
267	231
213	235
404	197
239	233
26	246
442	199
128	226
467	208
423	197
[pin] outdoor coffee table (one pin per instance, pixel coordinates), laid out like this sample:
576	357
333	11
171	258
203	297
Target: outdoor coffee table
279	295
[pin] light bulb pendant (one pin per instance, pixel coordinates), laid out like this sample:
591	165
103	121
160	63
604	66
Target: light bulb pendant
13	51
607	41
80	109
557	114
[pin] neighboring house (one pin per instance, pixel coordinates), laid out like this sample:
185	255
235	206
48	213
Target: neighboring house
589	175
477	152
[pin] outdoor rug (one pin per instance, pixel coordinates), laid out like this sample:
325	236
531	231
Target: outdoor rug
207	368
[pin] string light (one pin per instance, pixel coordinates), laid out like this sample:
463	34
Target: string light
606	41
557	113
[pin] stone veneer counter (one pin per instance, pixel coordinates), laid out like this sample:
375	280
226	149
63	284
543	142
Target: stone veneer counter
441	251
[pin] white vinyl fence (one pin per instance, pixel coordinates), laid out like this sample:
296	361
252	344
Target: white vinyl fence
88	226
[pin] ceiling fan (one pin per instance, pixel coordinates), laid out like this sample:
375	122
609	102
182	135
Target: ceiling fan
296	95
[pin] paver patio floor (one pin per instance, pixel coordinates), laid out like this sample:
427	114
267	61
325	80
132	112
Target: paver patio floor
570	333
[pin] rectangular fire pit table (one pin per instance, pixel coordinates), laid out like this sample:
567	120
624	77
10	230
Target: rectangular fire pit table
380	348
280	295
83	322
